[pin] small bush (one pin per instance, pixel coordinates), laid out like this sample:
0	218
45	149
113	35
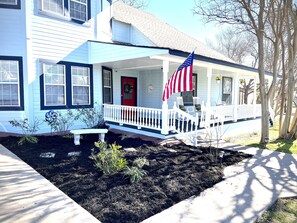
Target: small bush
136	174
91	117
109	160
27	129
140	162
61	122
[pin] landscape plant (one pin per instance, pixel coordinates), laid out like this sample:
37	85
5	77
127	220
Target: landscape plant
136	173
61	122
110	160
27	129
91	117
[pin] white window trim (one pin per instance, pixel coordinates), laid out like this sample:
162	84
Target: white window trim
81	85
17	83
44	85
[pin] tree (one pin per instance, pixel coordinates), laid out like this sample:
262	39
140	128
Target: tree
240	47
237	45
249	16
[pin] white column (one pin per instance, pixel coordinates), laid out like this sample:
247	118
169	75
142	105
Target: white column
235	97
209	74
255	96
165	128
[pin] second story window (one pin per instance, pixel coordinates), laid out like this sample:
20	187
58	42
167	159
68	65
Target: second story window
53	6
76	10
12	4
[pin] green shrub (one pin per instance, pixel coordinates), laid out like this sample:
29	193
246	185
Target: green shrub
61	122
91	117
109	160
140	162
136	174
28	129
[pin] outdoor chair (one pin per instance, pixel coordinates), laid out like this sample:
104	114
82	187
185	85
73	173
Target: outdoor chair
180	104
196	104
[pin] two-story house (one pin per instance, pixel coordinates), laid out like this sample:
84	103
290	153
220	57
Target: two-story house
69	54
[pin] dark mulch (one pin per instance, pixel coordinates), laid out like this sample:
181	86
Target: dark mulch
172	176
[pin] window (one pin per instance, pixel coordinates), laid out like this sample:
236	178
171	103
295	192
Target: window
188	95
80	85
107	85
12	4
11	86
76	10
54	6
66	85
54	84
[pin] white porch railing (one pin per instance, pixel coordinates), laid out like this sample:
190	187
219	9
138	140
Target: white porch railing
243	111
150	118
136	116
178	120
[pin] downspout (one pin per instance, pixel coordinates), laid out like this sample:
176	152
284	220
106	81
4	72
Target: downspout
165	129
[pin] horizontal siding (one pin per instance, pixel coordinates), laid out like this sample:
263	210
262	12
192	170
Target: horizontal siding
13	43
12	32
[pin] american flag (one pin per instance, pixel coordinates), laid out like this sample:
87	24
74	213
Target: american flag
181	79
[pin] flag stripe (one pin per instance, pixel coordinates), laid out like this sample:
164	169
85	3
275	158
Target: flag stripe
181	79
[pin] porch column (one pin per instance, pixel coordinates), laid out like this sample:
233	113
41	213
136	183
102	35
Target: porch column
235	98
209	74
165	129
255	97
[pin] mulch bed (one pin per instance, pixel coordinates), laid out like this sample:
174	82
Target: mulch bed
175	173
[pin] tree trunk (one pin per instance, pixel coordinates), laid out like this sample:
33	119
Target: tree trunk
261	70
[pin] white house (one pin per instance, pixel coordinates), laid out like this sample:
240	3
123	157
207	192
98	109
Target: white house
68	54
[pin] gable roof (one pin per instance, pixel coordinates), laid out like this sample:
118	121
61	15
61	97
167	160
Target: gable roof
161	33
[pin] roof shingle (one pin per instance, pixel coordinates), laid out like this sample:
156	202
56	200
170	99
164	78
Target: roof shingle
161	33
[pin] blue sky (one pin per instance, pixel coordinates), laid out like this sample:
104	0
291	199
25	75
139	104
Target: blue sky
178	13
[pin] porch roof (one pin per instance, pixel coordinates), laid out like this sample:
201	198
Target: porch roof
132	57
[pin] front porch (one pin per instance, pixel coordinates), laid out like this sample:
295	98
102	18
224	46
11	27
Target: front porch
148	121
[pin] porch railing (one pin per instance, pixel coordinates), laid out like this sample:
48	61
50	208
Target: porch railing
243	111
136	116
150	118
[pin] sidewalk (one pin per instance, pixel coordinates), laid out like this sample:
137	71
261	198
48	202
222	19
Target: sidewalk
27	197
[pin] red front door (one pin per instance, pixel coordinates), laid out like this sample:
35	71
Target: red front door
128	91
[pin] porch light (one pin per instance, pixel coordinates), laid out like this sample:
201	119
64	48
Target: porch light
242	81
218	79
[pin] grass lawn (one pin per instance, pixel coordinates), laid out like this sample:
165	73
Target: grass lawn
286	146
284	210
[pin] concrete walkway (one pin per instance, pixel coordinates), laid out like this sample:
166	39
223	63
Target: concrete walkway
250	188
27	197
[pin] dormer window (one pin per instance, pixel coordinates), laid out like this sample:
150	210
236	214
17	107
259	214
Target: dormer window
75	10
10	4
